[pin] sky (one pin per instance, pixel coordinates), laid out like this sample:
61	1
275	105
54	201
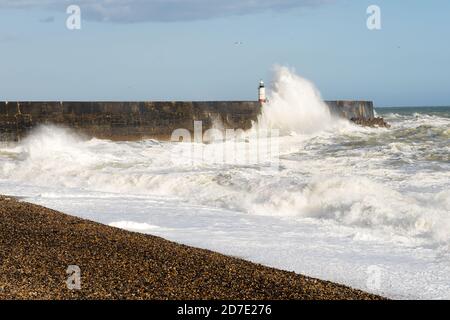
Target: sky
220	49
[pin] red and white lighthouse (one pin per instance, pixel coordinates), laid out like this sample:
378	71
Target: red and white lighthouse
262	92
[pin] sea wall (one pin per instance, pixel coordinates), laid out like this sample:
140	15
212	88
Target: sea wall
352	109
138	120
124	120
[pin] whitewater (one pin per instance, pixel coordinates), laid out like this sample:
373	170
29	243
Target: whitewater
365	207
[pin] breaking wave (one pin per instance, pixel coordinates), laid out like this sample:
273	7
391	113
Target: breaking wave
380	188
390	182
295	106
351	190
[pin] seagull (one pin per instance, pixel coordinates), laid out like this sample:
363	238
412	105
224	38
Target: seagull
238	43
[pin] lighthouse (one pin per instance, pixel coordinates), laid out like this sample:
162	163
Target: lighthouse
262	92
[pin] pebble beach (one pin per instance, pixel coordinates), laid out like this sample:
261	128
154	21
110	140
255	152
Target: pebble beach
37	245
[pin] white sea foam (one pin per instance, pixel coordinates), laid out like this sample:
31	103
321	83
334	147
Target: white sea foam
344	197
135	226
295	106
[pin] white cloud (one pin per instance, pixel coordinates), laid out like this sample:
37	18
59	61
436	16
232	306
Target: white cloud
161	10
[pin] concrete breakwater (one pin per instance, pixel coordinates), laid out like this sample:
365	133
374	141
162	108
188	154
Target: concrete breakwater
138	120
352	109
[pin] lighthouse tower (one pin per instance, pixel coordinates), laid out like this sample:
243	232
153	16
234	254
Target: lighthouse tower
262	92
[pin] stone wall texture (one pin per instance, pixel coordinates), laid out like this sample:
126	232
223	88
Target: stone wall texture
139	120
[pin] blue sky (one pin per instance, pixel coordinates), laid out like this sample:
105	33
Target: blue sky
186	49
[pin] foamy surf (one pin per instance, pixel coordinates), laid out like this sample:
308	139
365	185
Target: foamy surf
295	106
343	202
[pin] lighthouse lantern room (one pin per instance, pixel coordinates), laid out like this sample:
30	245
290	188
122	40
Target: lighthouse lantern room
262	92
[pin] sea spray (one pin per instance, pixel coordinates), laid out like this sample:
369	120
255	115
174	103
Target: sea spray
338	204
295	105
316	181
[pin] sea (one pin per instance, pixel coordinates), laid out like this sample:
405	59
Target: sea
364	207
